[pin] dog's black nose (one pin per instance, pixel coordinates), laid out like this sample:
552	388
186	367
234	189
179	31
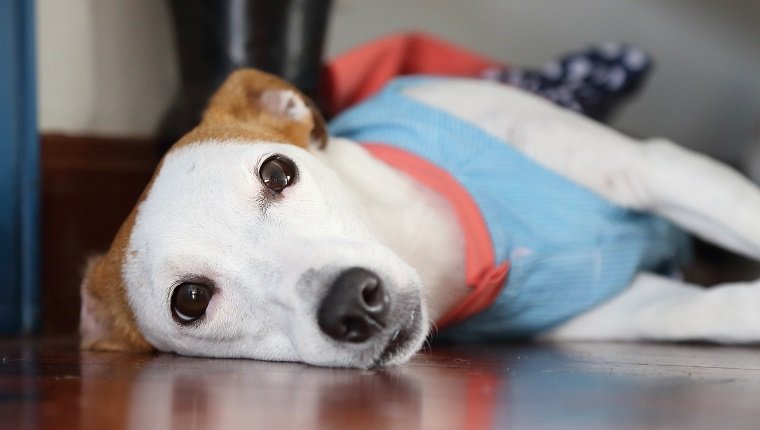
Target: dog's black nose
355	308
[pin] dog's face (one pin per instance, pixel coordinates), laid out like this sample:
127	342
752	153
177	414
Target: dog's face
247	245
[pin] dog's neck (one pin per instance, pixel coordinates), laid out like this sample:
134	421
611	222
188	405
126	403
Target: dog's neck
415	222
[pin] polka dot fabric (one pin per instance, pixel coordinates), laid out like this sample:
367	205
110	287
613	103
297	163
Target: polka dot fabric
592	81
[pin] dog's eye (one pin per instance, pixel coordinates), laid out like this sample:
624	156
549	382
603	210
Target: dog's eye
189	301
277	172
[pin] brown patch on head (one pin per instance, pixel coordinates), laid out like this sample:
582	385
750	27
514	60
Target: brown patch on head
253	105
107	321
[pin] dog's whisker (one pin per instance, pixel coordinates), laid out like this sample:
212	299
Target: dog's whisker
427	344
433	327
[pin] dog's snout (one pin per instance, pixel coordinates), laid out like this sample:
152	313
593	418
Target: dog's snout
355	307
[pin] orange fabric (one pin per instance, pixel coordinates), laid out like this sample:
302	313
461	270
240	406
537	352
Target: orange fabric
482	274
362	72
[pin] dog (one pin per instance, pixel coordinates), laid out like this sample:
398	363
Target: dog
260	236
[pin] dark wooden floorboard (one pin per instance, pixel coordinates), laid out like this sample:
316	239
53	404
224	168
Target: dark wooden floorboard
51	385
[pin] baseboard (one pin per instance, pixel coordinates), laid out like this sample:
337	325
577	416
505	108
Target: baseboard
89	185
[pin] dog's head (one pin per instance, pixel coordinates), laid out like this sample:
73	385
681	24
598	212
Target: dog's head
245	244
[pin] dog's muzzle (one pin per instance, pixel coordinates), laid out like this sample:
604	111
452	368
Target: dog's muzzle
355	308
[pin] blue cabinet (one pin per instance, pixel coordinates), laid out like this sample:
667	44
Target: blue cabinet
19	170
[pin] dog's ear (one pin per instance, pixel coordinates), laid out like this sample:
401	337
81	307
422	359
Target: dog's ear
106	320
258	102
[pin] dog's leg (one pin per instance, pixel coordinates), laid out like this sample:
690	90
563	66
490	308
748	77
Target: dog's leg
660	308
701	195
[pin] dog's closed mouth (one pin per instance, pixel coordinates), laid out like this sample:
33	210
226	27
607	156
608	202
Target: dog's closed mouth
400	339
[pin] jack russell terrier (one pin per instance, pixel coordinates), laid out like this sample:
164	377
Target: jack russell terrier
464	203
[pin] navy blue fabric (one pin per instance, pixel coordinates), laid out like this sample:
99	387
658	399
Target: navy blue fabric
569	249
592	81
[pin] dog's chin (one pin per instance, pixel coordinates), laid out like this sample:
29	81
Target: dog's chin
405	341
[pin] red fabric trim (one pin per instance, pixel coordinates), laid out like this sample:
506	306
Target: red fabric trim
482	275
363	71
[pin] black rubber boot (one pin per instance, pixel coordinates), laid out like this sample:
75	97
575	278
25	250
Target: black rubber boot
215	37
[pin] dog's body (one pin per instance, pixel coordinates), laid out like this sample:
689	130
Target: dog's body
272	260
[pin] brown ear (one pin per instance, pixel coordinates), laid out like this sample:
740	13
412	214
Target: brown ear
259	104
106	321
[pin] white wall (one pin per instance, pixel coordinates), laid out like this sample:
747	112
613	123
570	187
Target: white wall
107	66
104	66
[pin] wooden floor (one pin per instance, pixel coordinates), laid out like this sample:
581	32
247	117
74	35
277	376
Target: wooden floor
51	385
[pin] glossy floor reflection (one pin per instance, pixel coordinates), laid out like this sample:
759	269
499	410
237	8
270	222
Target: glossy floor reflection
51	385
